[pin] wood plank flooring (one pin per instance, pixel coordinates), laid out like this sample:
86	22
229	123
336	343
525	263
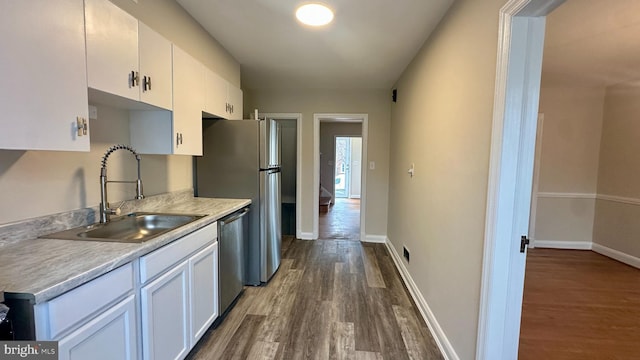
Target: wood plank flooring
579	305
331	299
341	221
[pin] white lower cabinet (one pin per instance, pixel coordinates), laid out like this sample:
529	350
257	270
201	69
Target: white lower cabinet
165	324
157	307
110	335
179	294
204	291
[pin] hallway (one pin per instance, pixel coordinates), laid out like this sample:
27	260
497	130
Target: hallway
332	299
342	221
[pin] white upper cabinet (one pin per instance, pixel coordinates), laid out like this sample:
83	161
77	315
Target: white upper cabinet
188	103
178	132
112	49
215	94
43	95
155	68
222	99
125	57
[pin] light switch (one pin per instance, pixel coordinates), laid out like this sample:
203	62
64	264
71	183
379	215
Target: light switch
93	112
372	165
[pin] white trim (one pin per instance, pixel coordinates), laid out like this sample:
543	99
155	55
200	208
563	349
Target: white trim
305	236
619	199
517	91
562	195
536	177
364	119
617	255
298	118
559	244
381	239
447	350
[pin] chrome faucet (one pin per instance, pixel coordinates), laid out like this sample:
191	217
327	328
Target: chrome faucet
105	210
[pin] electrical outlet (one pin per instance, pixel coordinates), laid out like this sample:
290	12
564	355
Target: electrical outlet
406	253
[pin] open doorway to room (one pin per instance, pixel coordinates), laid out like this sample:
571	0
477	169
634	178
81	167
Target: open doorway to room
578	302
519	65
340	180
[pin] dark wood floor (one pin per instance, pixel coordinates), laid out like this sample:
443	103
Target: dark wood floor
342	221
579	305
332	299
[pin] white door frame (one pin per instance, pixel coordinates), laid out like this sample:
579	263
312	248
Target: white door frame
298	118
345	118
517	92
350	193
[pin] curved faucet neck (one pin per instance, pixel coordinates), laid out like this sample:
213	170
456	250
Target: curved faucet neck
105	211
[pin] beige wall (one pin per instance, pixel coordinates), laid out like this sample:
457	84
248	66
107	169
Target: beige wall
375	103
442	123
616	225
36	183
328	132
568	174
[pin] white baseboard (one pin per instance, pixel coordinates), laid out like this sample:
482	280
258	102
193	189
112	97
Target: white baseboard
381	239
617	255
438	334
569	245
305	236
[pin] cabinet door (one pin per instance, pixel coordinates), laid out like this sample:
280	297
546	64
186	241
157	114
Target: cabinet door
234	97
112	49
188	103
111	335
43	74
165	320
204	290
215	94
155	68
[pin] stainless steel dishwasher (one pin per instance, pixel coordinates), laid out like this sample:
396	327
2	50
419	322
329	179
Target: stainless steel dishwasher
232	231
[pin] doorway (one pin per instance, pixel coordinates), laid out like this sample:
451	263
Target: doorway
348	166
334	126
517	90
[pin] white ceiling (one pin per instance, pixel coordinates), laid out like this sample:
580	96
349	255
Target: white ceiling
593	43
368	45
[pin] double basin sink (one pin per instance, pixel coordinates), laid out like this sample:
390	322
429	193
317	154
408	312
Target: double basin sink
132	228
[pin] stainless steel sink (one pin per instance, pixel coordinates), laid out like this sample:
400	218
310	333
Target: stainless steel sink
133	228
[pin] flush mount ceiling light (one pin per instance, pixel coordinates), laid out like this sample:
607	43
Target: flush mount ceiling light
314	14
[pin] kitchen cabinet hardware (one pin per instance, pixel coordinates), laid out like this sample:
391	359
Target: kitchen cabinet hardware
81	125
146	83
178	139
135	78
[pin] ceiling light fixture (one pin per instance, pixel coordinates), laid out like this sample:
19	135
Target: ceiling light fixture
314	14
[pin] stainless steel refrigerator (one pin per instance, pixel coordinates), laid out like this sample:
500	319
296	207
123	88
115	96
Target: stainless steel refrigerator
241	159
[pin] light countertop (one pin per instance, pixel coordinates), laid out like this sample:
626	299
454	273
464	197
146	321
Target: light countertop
41	269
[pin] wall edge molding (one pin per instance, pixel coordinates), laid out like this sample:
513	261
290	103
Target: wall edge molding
606	197
370	238
566	195
567	245
619	199
445	347
306	236
617	255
